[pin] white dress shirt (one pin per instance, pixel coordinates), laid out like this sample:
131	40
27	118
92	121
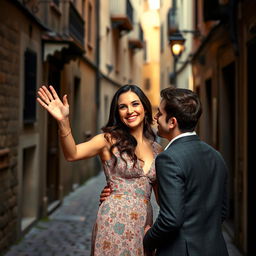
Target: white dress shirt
179	136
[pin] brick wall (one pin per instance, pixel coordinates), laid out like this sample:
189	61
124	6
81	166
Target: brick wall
9	112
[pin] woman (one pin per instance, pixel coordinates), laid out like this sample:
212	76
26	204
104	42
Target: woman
127	149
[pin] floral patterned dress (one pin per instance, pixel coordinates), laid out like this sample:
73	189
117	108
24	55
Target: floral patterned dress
119	228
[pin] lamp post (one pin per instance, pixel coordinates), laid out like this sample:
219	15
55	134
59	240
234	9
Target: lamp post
176	42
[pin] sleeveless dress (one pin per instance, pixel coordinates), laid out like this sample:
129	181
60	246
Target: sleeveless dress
119	227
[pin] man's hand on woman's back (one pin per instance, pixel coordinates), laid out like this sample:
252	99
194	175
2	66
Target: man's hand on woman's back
105	193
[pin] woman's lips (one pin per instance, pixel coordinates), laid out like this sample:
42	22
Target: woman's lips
131	118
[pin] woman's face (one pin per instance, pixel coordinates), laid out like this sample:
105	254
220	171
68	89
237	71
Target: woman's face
131	110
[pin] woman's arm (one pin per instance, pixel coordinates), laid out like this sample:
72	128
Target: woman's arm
50	100
73	152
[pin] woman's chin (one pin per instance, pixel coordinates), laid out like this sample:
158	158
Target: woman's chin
133	125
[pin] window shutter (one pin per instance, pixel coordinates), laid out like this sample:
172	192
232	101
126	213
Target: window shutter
29	110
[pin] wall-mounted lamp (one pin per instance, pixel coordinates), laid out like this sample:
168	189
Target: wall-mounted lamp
176	42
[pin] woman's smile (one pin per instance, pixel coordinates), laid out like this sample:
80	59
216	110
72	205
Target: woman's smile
132	118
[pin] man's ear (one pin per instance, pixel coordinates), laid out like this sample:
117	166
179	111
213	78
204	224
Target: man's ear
172	122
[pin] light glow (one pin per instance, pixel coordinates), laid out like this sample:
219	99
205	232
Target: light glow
177	49
154	4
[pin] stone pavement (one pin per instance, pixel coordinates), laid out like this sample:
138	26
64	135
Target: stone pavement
67	232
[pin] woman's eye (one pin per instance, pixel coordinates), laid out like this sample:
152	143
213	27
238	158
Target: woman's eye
121	107
136	104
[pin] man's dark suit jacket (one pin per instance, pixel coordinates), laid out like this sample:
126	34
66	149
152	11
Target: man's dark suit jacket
192	179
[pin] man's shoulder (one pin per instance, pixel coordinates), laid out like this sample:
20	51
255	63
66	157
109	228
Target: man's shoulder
170	153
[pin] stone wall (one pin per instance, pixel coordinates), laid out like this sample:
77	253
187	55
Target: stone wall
9	111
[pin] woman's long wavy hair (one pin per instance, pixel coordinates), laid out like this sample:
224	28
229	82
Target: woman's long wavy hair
115	130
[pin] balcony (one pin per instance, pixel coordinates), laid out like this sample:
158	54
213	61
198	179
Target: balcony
75	24
67	43
136	38
121	12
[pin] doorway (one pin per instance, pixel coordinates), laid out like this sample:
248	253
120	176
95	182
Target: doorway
227	94
52	174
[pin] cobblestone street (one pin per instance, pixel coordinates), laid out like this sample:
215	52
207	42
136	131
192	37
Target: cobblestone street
67	232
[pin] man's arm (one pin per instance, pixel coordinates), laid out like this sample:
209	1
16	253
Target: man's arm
225	198
171	202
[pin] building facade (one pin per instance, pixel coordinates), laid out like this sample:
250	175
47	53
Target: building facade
85	49
222	64
20	143
217	63
121	49
151	67
166	58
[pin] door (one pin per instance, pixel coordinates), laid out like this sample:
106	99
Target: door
251	140
53	175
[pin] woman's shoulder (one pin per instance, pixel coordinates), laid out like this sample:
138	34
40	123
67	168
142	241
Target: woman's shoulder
101	140
158	147
107	140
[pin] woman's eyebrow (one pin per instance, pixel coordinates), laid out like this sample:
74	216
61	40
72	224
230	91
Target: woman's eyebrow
134	101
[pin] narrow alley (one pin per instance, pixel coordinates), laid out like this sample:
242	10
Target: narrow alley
67	232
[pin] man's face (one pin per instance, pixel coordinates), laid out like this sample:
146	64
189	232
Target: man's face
163	128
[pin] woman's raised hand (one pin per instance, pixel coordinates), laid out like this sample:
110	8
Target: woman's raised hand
50	100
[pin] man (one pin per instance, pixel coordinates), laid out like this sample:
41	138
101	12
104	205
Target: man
192	179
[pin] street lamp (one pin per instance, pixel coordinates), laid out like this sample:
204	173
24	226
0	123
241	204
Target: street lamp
177	47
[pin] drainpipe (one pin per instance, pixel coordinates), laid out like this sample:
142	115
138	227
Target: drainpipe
97	87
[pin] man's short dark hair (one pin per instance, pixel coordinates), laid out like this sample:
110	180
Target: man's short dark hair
184	105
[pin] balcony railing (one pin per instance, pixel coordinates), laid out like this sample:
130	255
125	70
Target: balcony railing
121	12
76	24
129	10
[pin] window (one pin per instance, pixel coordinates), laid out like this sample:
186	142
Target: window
147	84
146	52
195	14
30	64
162	38
83	9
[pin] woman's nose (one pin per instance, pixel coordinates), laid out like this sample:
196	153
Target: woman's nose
130	109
